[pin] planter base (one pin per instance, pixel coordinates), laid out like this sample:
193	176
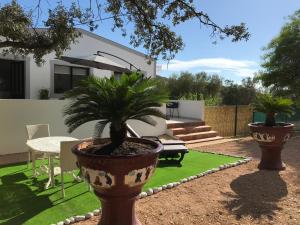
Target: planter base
118	210
271	159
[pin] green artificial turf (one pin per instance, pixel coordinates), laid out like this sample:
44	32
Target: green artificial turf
23	200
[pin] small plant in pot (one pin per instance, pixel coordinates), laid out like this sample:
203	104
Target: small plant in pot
272	135
116	167
44	94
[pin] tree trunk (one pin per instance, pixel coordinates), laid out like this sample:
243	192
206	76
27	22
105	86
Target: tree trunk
118	133
270	120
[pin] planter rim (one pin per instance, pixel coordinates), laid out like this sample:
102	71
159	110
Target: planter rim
157	147
258	124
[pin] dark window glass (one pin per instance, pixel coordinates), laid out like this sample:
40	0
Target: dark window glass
76	80
62	83
66	77
12	79
78	75
5	79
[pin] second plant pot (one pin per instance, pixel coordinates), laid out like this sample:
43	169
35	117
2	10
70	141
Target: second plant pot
271	141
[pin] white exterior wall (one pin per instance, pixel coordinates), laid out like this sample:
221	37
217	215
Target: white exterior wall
190	109
38	77
15	114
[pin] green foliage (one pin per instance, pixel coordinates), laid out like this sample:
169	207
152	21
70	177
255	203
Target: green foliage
151	22
192	96
270	105
209	101
242	94
108	100
194	87
44	94
282	60
213	101
201	86
21	38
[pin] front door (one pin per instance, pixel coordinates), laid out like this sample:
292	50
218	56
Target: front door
12	79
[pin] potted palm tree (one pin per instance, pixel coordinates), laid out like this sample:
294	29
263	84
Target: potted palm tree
116	167
271	135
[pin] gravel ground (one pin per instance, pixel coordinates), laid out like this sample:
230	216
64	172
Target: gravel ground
239	195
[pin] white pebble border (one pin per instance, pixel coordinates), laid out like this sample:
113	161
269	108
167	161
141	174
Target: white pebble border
152	191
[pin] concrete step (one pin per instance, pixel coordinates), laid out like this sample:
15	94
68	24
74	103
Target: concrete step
204	140
185	124
186	130
197	135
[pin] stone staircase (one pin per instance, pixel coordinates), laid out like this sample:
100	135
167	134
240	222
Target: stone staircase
192	131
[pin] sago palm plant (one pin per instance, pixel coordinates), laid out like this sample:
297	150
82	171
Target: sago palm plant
112	101
270	105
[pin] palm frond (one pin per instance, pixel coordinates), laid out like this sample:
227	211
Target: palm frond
114	101
99	127
266	103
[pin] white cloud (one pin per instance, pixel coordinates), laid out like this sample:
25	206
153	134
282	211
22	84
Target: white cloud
214	65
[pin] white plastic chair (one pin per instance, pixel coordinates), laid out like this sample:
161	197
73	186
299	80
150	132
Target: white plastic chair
36	131
67	161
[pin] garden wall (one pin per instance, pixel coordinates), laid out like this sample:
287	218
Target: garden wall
190	109
15	114
222	119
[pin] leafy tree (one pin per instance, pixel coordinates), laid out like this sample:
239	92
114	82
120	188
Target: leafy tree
171	85
213	86
282	60
180	85
194	87
185	83
200	84
151	19
243	94
229	93
108	100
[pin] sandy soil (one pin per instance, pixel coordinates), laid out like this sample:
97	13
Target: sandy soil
239	195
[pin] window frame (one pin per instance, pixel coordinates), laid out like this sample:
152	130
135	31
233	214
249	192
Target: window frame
71	74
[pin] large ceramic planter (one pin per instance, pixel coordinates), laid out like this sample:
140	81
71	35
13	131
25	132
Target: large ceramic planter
117	180
271	141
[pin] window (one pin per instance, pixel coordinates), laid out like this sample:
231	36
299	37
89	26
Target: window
117	75
12	79
67	77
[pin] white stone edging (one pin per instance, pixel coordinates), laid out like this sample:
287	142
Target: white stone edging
155	190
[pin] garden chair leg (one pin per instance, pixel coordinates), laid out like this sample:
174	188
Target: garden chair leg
33	163
62	185
29	158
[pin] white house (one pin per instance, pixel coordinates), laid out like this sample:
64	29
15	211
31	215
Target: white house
21	78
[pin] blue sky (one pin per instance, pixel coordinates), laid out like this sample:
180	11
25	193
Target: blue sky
264	18
234	61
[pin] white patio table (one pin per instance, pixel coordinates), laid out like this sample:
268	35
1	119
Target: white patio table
49	146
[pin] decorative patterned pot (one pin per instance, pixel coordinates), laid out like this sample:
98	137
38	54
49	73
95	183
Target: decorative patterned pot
271	141
117	180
